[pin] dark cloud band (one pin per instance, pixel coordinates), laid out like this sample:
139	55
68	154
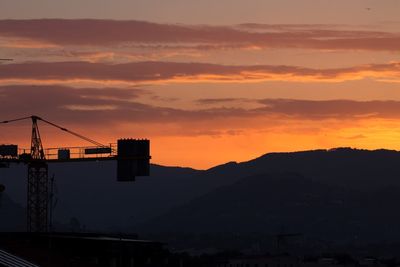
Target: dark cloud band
108	32
181	72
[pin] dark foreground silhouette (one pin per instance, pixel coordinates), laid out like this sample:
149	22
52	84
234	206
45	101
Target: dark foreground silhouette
341	198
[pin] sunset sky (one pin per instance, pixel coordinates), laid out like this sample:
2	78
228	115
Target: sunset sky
207	81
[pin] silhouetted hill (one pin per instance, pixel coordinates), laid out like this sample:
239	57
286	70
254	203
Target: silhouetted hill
100	201
340	194
352	168
90	193
268	203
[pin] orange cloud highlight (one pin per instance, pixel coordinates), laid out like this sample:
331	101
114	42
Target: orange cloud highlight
70	73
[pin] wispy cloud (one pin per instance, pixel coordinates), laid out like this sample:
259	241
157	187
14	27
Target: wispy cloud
212	101
338	109
110	32
169	72
115	106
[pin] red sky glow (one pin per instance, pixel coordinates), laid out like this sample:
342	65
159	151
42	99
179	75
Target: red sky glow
206	90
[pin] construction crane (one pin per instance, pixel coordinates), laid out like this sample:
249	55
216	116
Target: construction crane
132	156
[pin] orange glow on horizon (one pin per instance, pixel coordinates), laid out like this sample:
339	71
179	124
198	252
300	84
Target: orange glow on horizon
203	94
205	151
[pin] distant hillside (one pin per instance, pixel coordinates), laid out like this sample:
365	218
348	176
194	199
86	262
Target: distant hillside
272	202
90	193
352	168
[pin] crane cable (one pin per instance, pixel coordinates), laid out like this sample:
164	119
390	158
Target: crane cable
19	119
13	120
59	127
73	133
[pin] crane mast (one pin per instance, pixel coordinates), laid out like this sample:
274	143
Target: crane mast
37	152
38	173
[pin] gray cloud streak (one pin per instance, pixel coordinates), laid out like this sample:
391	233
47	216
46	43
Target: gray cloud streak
107	32
53	102
160	71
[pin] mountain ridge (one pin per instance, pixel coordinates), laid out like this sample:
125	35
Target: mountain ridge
89	191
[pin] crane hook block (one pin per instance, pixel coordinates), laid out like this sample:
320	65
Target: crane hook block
133	159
